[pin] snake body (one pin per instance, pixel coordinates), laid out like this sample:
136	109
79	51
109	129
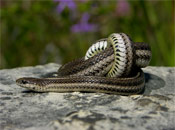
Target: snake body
111	65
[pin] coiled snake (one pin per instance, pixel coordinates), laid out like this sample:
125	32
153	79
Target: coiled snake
111	65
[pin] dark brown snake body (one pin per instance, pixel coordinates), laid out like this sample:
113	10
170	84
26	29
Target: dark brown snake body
91	74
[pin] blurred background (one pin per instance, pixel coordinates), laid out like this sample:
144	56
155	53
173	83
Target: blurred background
38	32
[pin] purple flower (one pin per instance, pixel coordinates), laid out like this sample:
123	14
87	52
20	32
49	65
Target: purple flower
83	25
63	3
123	8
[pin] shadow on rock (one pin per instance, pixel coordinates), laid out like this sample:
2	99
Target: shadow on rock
152	82
30	91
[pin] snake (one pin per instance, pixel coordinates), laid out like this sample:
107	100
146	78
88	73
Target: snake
111	65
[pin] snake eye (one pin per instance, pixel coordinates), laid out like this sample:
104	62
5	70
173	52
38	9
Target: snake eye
24	81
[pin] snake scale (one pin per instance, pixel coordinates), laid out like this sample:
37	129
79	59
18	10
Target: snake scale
111	65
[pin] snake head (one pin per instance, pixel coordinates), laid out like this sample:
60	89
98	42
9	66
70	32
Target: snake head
29	83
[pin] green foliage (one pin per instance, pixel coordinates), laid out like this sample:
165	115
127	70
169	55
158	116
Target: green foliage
34	32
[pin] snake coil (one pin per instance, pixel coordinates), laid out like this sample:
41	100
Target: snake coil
124	52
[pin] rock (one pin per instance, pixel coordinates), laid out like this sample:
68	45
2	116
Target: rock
26	110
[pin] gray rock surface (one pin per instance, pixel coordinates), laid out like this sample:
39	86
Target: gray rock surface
22	109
